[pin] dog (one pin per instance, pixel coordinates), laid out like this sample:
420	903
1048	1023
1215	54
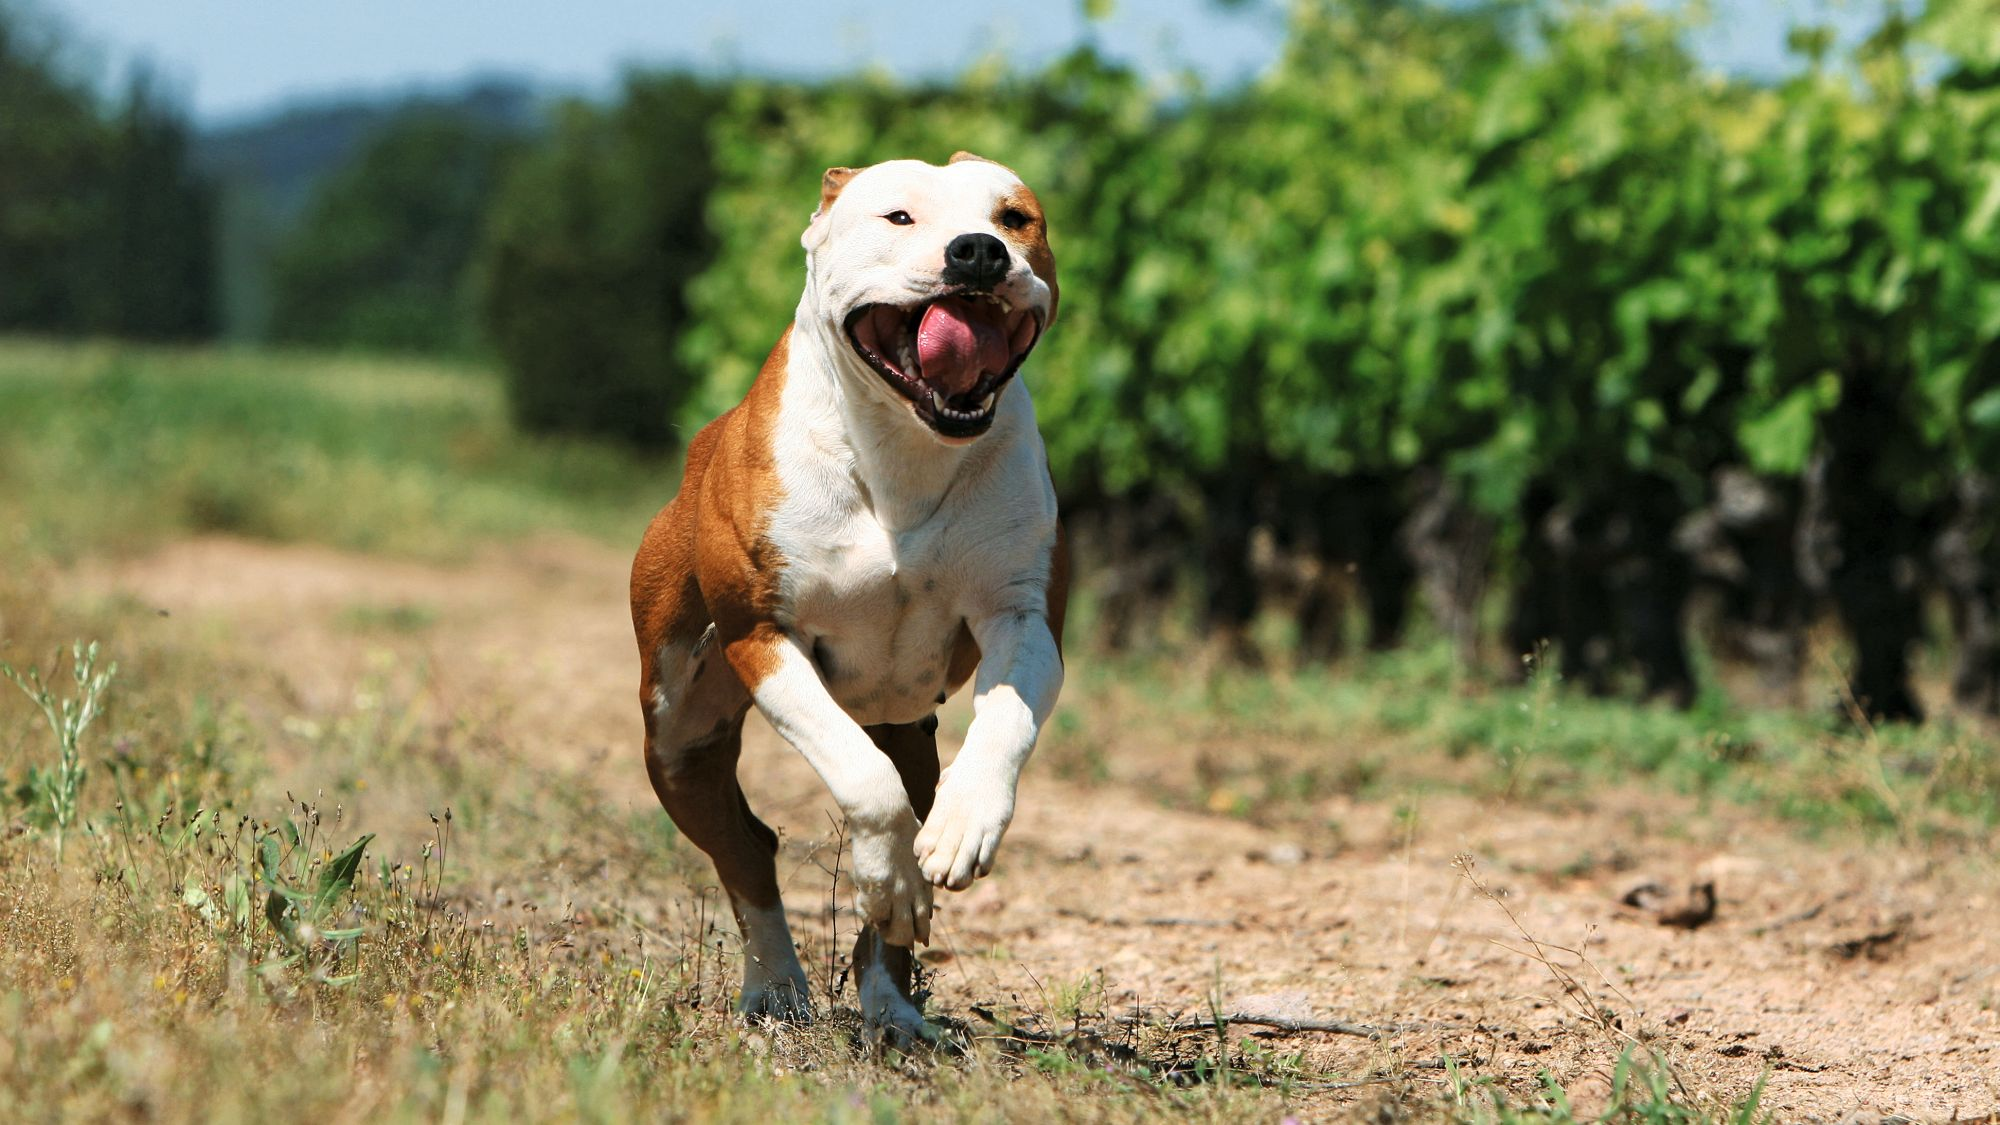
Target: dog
872	526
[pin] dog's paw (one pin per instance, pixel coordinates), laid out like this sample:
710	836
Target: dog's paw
963	832
889	888
784	999
889	1017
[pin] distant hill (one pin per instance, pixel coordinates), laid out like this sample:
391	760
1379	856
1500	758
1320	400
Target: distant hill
284	154
269	166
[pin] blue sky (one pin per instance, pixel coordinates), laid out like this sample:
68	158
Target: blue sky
230	58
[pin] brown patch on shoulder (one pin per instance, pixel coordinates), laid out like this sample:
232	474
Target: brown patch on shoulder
667	602
706	556
737	565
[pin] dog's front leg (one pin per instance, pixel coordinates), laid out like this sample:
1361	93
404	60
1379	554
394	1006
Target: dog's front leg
1020	673
889	891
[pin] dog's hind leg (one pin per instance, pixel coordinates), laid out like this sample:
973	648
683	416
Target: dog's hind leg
883	973
694	731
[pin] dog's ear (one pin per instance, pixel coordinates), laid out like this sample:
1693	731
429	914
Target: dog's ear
829	190
961	156
830	185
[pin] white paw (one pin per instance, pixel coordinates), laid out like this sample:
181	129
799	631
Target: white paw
963	832
889	890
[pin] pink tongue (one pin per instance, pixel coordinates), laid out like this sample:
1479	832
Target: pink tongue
960	340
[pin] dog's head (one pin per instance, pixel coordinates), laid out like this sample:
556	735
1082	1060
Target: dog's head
939	279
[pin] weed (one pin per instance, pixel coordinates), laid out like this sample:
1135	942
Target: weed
61	789
1640	1093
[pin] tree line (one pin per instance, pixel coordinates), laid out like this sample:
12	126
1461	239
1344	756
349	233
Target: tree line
104	226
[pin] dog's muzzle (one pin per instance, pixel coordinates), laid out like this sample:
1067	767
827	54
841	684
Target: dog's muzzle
950	356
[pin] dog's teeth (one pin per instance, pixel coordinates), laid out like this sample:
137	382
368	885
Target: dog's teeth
988	404
937	403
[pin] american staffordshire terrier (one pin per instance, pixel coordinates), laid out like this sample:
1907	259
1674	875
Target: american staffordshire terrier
869	528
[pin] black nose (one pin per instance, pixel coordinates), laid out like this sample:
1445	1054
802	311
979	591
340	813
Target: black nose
977	260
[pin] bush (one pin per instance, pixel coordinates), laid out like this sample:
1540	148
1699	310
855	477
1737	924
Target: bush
586	257
104	227
380	260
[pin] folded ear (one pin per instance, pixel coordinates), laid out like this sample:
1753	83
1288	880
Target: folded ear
961	156
829	190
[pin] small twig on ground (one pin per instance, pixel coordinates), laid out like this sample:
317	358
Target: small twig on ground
1282	1023
1440	1063
1805	915
834	978
1354	1085
1114	920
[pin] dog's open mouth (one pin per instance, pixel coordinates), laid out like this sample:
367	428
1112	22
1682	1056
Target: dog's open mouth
950	357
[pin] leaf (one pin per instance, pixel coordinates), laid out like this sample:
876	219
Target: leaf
1984	413
277	911
1980	221
337	876
1782	438
195	895
236	898
269	856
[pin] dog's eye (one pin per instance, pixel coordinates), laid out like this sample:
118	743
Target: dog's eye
900	218
1014	219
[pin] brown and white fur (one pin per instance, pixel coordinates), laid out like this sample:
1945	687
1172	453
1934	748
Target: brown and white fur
844	555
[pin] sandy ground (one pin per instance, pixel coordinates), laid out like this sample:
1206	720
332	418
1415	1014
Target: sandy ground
1859	980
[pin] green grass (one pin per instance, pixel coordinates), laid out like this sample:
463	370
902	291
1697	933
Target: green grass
112	447
1389	726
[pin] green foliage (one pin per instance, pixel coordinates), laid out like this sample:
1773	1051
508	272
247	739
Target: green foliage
586	257
299	904
52	146
1521	240
1643	1091
159	269
1401	722
104	226
381	256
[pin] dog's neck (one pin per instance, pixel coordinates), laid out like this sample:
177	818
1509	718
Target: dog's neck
901	470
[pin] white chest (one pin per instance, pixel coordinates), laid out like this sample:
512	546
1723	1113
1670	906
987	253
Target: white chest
894	547
881	611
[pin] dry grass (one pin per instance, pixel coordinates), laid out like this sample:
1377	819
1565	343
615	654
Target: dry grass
508	943
200	954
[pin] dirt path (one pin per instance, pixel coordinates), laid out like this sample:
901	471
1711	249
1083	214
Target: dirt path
1856	978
